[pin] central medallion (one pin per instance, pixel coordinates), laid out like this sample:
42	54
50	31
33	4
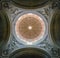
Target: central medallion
30	27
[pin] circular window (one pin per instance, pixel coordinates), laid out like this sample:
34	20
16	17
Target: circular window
29	28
